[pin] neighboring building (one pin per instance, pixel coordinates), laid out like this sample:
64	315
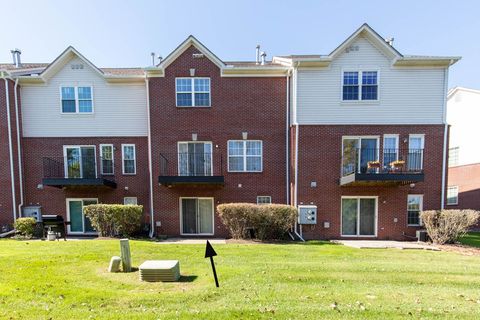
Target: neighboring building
463	108
358	133
368	137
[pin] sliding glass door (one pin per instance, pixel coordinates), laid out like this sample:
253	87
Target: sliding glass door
357	153
195	159
79	223
197	216
359	216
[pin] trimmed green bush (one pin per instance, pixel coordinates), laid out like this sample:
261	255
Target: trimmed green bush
271	221
112	220
446	226
25	226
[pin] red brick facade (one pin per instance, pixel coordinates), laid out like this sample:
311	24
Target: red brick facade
242	104
53	200
467	179
320	154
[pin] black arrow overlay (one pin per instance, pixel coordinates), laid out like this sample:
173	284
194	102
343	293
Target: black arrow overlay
210	253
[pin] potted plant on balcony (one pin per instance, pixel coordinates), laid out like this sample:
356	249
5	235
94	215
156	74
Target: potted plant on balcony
373	164
397	165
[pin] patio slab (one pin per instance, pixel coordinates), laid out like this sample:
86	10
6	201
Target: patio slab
191	241
384	244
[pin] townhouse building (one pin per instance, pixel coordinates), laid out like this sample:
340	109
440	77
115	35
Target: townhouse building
463	105
359	136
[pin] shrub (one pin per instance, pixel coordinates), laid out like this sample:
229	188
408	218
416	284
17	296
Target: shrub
269	221
112	220
446	226
26	226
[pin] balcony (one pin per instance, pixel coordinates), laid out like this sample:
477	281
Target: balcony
191	169
74	172
381	167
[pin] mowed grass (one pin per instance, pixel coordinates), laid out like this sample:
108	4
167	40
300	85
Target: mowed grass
471	239
68	280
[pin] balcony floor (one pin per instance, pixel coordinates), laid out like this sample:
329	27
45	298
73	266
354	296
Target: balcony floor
78	182
171	181
381	179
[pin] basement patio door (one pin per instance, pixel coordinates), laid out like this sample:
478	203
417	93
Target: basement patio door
359	216
79	223
196	216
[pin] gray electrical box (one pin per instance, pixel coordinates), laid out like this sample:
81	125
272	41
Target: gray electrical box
307	214
33	212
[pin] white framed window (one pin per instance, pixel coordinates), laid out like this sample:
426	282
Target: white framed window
452	195
360	85
357	152
76	99
80	162
130	200
264	199
390	149
192	92
453	156
416	144
414	207
106	159
128	159
195	158
245	156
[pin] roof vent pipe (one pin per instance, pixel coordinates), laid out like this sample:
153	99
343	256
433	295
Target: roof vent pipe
263	55
17	62
257	56
390	41
153	58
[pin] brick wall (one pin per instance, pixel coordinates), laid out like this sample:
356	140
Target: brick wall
320	153
53	200
242	104
467	178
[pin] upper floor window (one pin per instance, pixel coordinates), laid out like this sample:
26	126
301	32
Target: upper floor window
76	99
453	156
128	159
192	92
245	155
360	85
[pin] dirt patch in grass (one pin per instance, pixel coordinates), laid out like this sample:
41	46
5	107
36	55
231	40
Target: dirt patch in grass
460	248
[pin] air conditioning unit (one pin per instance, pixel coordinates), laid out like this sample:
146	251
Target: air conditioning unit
307	214
32	211
422	235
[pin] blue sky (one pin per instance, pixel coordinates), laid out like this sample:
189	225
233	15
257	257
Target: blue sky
123	33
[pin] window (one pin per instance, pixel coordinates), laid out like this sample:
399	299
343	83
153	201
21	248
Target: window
364	87
128	159
452	195
453	156
390	149
76	99
195	159
357	153
414	207
106	157
359	216
245	156
264	200
80	162
130	200
193	92
415	152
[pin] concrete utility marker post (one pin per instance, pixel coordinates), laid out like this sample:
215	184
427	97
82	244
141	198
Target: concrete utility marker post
126	257
210	253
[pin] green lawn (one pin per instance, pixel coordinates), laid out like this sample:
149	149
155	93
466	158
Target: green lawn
68	280
471	239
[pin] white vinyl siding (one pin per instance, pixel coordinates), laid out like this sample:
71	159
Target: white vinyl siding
405	95
119	109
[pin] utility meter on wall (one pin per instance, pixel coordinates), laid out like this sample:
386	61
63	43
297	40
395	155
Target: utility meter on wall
307	214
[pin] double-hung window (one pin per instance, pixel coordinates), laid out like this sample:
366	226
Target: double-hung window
416	144
264	199
192	92
245	156
128	159
452	195
360	85
390	149
414	207
76	99
106	156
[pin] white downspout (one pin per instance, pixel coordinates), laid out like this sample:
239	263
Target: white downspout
287	140
19	155
150	172
10	150
445	141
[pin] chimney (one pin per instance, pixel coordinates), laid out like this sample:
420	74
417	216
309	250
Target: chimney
17	62
263	55
257	54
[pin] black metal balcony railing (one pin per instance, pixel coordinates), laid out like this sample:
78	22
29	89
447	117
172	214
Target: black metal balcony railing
83	170
191	168
382	161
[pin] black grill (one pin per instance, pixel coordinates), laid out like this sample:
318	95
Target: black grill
55	223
